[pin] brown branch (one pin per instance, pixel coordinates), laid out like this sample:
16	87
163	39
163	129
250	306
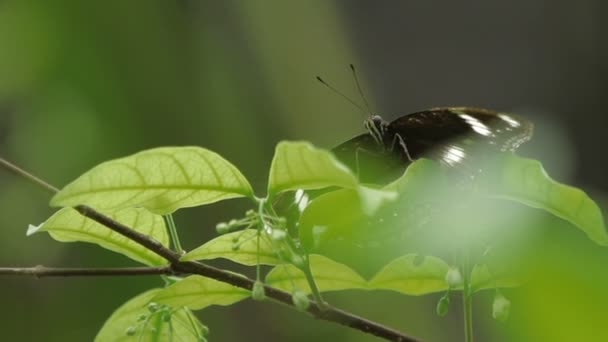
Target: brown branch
324	312
43	271
327	313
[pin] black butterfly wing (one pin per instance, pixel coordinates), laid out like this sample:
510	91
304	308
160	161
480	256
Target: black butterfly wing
456	136
372	162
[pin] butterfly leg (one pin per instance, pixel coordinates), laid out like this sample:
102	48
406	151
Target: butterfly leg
397	139
358	152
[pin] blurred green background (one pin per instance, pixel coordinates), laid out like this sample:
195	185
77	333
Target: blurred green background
82	82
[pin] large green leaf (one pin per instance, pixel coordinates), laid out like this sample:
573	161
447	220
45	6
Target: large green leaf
331	215
197	292
328	274
336	214
300	165
67	225
246	254
406	276
160	180
525	181
183	325
341	214
422	173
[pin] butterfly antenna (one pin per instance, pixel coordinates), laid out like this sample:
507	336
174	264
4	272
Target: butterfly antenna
340	93
352	68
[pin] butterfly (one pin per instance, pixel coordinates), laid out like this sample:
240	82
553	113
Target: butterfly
453	136
456	137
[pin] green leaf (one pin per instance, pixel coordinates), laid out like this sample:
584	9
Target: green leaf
421	177
373	199
161	180
525	181
197	292
328	274
482	278
246	254
183	325
67	225
330	216
336	214
300	165
405	276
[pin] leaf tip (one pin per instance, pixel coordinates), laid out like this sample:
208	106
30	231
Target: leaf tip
32	229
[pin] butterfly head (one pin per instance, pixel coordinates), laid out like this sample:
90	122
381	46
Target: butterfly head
376	126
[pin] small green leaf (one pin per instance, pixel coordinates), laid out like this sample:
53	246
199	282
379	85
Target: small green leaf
443	305
133	322
197	292
525	181
246	254
328	274
405	276
161	180
300	165
482	278
67	225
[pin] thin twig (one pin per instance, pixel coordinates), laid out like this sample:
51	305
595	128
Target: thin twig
324	312
43	271
21	172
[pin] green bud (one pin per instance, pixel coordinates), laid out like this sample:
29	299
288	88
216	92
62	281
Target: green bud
250	213
443	305
453	277
130	331
281	221
222	228
166	316
300	300
236	247
278	234
257	292
233	223
142	317
284	253
297	260
153	307
500	307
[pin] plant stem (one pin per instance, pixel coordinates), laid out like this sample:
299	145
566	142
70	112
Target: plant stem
43	271
173	232
21	172
467	298
313	285
316	293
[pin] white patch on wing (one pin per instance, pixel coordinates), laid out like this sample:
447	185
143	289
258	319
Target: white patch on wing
512	122
301	199
478	126
453	155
